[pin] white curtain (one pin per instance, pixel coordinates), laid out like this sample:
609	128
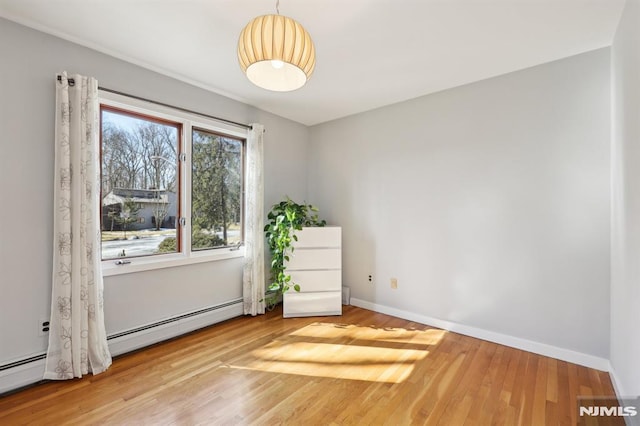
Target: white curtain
253	274
77	336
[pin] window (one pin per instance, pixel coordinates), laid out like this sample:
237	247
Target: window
140	190
171	186
216	190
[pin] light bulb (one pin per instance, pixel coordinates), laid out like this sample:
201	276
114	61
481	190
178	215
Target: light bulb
277	64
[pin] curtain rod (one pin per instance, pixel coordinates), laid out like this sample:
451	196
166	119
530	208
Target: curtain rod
224	120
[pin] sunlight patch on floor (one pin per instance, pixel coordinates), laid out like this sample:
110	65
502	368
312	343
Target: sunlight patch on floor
345	352
389	334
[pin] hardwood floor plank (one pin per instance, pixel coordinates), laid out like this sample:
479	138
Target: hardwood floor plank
552	380
565	417
498	374
540	393
360	368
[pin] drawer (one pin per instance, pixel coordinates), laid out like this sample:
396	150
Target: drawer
312	304
328	236
311	281
315	259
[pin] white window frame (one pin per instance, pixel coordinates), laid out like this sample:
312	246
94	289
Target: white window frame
186	256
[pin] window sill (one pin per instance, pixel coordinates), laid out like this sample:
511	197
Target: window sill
140	264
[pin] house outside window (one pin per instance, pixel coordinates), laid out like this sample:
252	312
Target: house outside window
172	187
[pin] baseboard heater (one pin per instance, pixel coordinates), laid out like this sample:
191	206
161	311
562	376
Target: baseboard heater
131	331
23	362
173	319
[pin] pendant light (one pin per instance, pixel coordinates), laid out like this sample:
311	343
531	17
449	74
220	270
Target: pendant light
276	52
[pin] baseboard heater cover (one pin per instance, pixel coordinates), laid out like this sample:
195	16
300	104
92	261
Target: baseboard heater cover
173	319
24	361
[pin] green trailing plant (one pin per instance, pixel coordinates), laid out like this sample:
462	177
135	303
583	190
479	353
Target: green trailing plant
284	219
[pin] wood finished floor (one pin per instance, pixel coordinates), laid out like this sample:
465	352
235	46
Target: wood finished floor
361	368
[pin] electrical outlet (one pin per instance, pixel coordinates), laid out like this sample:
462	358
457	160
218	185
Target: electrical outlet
394	283
43	326
370	279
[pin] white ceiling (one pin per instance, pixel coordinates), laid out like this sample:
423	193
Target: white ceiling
370	53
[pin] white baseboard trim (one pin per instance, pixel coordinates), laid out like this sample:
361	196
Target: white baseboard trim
622	395
32	372
502	339
615	381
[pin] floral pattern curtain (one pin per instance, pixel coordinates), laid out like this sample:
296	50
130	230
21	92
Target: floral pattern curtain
77	335
253	273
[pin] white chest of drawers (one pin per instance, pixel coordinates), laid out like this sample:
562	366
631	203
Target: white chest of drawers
316	265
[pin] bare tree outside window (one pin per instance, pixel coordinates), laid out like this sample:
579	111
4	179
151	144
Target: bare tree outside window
161	207
139	168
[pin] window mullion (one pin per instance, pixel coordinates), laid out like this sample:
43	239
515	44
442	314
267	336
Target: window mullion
186	187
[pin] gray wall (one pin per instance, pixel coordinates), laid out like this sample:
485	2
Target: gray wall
488	202
625	241
29	61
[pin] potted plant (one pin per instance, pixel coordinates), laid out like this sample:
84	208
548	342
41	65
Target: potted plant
285	218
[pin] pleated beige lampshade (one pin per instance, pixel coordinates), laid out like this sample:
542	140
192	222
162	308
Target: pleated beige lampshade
276	53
